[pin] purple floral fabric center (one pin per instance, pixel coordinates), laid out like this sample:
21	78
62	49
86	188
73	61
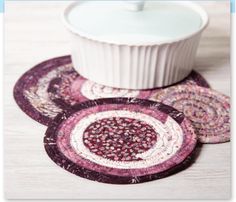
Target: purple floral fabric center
119	138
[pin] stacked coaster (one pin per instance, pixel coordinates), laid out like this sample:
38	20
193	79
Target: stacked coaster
54	86
207	109
116	135
121	140
72	89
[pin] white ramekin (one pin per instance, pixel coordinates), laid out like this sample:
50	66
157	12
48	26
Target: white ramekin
137	65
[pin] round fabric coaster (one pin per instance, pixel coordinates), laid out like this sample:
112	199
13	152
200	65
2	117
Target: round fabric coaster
208	110
121	140
70	90
53	86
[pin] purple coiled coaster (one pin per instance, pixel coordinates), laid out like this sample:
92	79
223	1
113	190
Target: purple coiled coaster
53	86
208	110
121	140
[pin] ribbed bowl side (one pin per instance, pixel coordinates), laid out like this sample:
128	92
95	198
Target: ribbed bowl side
134	67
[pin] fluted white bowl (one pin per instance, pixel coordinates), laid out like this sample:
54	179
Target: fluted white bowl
135	65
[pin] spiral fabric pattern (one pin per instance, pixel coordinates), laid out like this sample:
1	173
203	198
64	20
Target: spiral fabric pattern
208	110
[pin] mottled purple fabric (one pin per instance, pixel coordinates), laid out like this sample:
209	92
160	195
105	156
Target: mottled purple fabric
119	138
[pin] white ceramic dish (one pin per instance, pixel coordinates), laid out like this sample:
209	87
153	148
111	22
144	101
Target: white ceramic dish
132	45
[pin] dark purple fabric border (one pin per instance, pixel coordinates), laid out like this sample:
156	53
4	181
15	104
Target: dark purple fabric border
50	144
30	78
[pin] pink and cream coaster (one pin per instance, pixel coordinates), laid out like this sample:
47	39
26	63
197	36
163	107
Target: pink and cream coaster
121	140
208	110
54	86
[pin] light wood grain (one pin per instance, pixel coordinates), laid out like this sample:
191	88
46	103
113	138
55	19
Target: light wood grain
33	33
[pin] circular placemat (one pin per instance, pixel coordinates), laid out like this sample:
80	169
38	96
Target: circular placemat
121	140
208	110
53	86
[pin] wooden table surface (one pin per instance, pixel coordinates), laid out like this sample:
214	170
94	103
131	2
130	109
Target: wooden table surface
33	33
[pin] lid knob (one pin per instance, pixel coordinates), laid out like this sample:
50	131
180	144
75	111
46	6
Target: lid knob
135	5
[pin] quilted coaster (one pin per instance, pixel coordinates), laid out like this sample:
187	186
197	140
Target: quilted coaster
208	110
53	86
121	140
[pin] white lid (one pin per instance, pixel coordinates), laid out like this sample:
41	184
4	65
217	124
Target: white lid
136	23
